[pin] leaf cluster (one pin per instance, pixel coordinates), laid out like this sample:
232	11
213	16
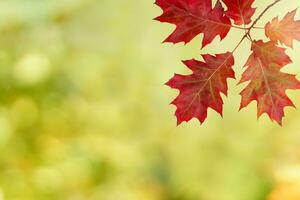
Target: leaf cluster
201	90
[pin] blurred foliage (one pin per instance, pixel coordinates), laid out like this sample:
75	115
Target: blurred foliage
84	113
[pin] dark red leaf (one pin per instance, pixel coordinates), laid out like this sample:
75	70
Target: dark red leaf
240	11
202	88
193	17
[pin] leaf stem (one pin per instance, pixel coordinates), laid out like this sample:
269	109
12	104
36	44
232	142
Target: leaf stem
241	28
256	27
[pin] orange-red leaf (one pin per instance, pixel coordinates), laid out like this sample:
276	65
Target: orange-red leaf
240	11
268	84
193	17
284	31
202	88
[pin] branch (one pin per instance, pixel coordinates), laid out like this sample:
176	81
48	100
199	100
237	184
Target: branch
263	12
254	23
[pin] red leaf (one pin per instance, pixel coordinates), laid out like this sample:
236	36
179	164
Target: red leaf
202	88
268	52
284	31
193	17
240	11
267	83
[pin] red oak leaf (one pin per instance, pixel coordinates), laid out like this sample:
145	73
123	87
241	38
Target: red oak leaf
240	11
268	52
284	31
193	17
268	84
202	88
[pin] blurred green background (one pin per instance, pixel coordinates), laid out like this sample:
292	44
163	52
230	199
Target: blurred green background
84	114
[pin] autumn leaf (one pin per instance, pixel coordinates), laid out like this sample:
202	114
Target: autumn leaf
268	84
269	53
193	17
284	31
202	88
240	11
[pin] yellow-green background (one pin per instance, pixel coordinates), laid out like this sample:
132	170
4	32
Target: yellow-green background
84	114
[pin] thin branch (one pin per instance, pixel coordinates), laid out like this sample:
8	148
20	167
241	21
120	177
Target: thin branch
264	11
247	34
